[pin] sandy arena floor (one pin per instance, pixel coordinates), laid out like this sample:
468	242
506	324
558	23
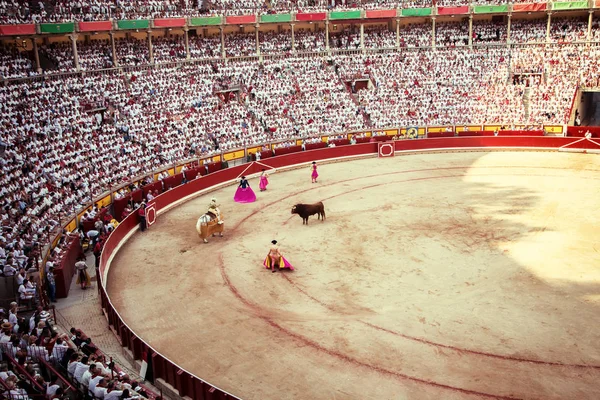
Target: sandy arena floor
435	276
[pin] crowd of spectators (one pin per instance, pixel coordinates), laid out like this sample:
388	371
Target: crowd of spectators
15	63
423	87
528	31
60	55
132	51
240	44
168	49
378	37
70	138
568	30
416	35
95	54
272	42
305	40
347	39
489	31
302	97
452	34
565	68
205	47
15	12
38	361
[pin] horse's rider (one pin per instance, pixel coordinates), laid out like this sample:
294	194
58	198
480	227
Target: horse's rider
213	208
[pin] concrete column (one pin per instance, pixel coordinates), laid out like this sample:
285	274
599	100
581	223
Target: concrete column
36	54
73	37
293	39
589	31
187	42
223	53
114	49
150	51
508	29
257	39
470	31
397	33
548	27
327	35
433	32
362	37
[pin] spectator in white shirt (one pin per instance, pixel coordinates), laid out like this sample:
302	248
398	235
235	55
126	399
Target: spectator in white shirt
73	362
94	380
87	375
82	366
100	389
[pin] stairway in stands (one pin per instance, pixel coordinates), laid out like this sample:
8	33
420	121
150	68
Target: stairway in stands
355	100
526	94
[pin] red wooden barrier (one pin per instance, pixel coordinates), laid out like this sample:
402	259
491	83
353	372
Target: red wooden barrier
439	134
476	133
315	146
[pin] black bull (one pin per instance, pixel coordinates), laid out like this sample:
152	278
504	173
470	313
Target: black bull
306	210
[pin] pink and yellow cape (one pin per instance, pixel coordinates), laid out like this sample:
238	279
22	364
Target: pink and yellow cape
283	263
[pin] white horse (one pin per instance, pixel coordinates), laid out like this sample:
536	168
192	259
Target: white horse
207	225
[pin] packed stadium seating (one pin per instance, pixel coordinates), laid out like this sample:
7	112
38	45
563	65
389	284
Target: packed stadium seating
68	137
40	362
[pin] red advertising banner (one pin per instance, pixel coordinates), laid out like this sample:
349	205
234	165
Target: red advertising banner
528	7
453	10
311	16
381	13
95	26
169	22
240	19
22	29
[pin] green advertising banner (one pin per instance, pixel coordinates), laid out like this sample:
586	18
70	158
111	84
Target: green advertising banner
58	28
276	18
570	5
133	24
416	12
490	9
344	15
205	21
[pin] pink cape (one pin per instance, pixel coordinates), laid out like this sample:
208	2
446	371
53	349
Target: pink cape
315	174
244	195
263	183
282	261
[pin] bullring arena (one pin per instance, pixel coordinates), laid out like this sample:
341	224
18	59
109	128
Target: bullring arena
457	144
444	275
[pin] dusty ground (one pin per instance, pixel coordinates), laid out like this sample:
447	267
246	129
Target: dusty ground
435	276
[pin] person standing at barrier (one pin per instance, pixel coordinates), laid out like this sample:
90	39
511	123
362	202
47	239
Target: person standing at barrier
314	174
264	181
50	280
142	216
83	278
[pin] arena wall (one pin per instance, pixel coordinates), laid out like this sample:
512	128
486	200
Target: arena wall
194	387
